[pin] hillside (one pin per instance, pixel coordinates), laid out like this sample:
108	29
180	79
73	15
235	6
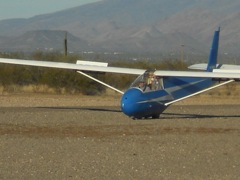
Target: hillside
136	26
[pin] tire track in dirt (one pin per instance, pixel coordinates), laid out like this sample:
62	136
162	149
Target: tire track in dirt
105	131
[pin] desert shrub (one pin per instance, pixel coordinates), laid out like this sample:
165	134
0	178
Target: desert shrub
70	81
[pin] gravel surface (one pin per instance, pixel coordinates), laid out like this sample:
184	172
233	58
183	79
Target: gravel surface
79	137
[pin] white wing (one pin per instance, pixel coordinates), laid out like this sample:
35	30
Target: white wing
217	75
79	67
203	66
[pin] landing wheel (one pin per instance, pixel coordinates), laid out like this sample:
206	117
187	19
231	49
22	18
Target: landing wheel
155	116
140	118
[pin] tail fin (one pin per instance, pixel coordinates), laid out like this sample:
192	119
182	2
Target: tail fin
212	61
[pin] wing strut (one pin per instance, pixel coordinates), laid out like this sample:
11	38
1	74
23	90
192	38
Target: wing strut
166	104
107	85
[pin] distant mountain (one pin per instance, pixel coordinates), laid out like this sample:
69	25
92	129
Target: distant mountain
131	26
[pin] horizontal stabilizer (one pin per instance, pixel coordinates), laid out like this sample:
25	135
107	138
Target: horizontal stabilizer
202	67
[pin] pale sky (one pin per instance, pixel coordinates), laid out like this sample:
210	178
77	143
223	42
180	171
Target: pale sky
29	8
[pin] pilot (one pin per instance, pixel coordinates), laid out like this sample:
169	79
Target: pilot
151	79
142	85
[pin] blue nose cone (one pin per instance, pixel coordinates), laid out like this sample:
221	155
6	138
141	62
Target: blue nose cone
129	102
138	104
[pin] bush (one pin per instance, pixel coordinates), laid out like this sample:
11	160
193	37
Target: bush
68	81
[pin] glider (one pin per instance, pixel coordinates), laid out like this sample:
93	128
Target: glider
153	91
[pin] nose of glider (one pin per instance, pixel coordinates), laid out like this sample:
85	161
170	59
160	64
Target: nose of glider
137	104
129	102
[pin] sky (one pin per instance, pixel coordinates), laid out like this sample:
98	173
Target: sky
29	8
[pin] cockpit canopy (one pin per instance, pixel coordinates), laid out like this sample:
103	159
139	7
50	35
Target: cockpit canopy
148	82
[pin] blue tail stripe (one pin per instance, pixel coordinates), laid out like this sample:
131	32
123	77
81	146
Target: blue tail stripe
212	61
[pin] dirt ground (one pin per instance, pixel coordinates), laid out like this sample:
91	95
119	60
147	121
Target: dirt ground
81	137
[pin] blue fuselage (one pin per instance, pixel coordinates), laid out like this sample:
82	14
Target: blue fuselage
136	103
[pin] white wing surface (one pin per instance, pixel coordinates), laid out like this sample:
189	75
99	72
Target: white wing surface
80	67
203	66
77	67
217	75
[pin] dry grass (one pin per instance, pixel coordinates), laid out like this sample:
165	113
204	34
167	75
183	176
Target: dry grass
228	94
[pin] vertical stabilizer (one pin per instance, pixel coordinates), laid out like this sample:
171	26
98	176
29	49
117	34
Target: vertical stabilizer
212	61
